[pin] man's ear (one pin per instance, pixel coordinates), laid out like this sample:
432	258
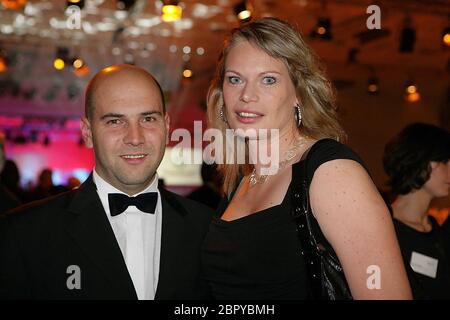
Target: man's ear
167	121
86	132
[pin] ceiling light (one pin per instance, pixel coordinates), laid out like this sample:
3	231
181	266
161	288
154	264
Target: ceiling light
77	3
3	61
322	30
13	4
171	11
412	93
58	64
373	85
78	63
187	73
243	11
446	37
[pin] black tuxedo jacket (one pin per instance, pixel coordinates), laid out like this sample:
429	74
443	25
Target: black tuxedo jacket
42	240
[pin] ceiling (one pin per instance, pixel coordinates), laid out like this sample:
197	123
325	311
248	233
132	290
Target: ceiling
31	87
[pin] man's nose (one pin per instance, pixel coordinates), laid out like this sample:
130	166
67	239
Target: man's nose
134	135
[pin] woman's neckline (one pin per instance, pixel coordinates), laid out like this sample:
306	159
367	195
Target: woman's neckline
259	212
410	225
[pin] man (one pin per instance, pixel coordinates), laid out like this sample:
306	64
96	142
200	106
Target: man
210	192
7	199
95	242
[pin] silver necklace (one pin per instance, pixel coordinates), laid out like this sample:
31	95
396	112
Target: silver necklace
288	156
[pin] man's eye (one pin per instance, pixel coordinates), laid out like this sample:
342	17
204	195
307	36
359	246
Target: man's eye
234	80
113	121
269	80
149	119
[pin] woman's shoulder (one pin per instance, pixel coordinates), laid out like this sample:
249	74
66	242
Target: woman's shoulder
325	150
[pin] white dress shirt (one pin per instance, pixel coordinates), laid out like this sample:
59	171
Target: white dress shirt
139	237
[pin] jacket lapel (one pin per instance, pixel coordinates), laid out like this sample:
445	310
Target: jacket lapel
88	225
172	236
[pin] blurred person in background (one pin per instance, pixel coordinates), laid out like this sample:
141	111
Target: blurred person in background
7	199
73	183
44	187
418	166
10	177
210	192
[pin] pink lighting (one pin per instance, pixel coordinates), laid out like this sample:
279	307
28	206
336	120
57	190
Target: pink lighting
64	157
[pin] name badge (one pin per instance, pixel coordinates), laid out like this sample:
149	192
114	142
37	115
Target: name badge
423	264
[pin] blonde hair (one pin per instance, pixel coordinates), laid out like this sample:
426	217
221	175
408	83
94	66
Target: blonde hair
315	92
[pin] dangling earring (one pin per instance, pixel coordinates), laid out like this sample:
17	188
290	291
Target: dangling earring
222	115
298	115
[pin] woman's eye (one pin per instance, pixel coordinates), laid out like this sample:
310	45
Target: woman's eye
234	80
269	80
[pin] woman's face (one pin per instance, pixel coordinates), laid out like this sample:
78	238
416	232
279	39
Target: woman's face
258	91
439	182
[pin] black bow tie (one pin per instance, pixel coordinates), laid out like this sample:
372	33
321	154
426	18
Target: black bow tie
119	202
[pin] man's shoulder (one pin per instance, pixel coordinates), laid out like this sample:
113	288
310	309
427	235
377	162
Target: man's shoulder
44	209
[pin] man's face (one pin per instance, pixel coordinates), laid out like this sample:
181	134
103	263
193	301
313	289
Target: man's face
438	184
128	131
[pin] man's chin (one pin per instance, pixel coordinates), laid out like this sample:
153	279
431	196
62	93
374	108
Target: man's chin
137	178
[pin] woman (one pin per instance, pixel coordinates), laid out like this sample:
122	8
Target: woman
418	166
268	78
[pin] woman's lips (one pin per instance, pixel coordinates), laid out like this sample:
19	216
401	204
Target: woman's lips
248	117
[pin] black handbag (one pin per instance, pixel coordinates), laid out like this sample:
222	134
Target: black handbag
327	279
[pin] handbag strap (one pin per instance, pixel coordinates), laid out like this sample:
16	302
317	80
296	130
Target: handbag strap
300	201
313	242
301	184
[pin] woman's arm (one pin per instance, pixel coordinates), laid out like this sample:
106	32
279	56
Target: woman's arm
356	222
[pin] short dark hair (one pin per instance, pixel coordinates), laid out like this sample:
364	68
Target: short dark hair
407	156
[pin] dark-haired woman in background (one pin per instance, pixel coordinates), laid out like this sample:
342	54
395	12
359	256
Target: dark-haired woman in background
418	166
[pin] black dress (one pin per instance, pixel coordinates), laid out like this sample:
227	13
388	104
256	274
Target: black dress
433	244
258	256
